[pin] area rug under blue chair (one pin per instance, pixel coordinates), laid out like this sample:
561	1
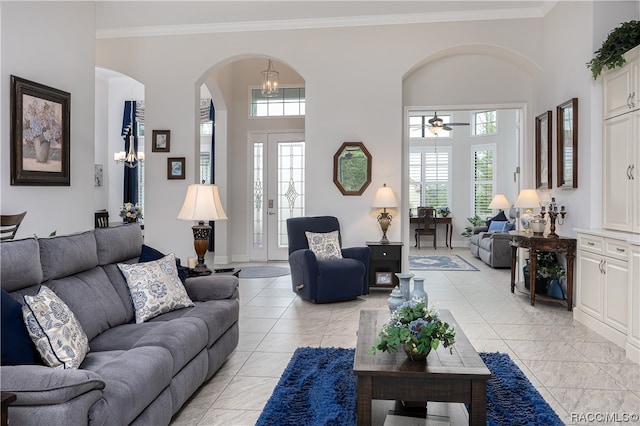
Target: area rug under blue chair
318	387
439	262
263	271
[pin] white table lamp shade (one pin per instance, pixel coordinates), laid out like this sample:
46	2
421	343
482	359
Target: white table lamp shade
202	203
499	202
528	199
385	198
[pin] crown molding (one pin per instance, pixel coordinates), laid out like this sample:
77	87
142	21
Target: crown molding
320	23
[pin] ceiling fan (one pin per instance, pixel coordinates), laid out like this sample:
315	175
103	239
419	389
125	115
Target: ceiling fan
436	123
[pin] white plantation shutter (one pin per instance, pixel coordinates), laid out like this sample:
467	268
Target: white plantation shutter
484	166
429	172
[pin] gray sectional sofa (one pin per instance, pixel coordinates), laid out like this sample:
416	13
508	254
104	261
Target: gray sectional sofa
493	247
134	373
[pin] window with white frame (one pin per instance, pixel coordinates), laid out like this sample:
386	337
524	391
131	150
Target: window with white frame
419	125
484	123
484	178
291	102
429	176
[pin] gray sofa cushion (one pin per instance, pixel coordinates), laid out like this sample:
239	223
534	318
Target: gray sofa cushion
118	244
93	300
133	379
20	266
200	288
56	252
218	315
183	338
40	385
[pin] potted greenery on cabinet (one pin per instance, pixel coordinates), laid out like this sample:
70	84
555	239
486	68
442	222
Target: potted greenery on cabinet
547	270
620	40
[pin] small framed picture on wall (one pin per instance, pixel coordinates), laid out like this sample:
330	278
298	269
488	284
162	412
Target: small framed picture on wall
175	168
161	141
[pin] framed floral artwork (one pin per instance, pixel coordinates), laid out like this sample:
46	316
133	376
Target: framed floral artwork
161	141
40	123
175	168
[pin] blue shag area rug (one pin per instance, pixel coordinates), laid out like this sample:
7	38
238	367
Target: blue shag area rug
318	387
437	262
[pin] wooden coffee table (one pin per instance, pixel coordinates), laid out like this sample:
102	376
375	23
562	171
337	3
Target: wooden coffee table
461	377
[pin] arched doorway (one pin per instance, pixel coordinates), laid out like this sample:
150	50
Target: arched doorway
258	154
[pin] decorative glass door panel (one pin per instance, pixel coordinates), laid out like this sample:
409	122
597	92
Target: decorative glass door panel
278	191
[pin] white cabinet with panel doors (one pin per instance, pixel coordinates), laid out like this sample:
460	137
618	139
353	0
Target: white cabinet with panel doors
621	153
602	290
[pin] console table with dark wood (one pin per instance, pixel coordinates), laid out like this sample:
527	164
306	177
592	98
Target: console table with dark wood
537	244
458	377
439	220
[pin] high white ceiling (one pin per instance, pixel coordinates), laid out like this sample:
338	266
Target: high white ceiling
118	18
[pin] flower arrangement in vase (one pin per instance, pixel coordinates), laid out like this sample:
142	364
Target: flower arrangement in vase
444	211
130	212
416	327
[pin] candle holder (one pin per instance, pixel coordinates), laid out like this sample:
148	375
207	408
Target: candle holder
554	215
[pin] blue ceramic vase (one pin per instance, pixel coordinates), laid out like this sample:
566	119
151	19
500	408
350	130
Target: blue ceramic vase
418	291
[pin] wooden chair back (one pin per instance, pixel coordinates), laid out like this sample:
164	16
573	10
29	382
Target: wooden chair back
9	225
427	225
102	219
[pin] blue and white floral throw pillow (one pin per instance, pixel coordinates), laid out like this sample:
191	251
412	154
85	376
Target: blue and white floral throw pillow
55	330
155	287
324	245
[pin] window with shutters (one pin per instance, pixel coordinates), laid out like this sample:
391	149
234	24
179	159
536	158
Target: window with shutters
429	176
484	179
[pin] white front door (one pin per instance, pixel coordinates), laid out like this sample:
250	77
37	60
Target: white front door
278	190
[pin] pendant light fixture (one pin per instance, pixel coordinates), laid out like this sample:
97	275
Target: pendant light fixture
130	158
270	82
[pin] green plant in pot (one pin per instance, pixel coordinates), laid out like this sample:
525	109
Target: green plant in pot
620	40
547	270
474	221
552	272
417	329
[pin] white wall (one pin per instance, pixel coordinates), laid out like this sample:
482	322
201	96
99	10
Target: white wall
354	80
360	99
52	44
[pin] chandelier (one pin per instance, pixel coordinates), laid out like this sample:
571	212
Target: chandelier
270	82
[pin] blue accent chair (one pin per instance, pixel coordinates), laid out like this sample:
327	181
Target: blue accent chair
331	280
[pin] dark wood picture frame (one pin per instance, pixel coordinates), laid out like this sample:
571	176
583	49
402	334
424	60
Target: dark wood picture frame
161	141
383	278
544	150
350	162
40	134
175	168
567	143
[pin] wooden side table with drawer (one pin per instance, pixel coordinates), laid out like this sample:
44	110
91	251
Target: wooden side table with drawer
385	262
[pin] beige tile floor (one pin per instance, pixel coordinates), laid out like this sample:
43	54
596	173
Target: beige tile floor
579	373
